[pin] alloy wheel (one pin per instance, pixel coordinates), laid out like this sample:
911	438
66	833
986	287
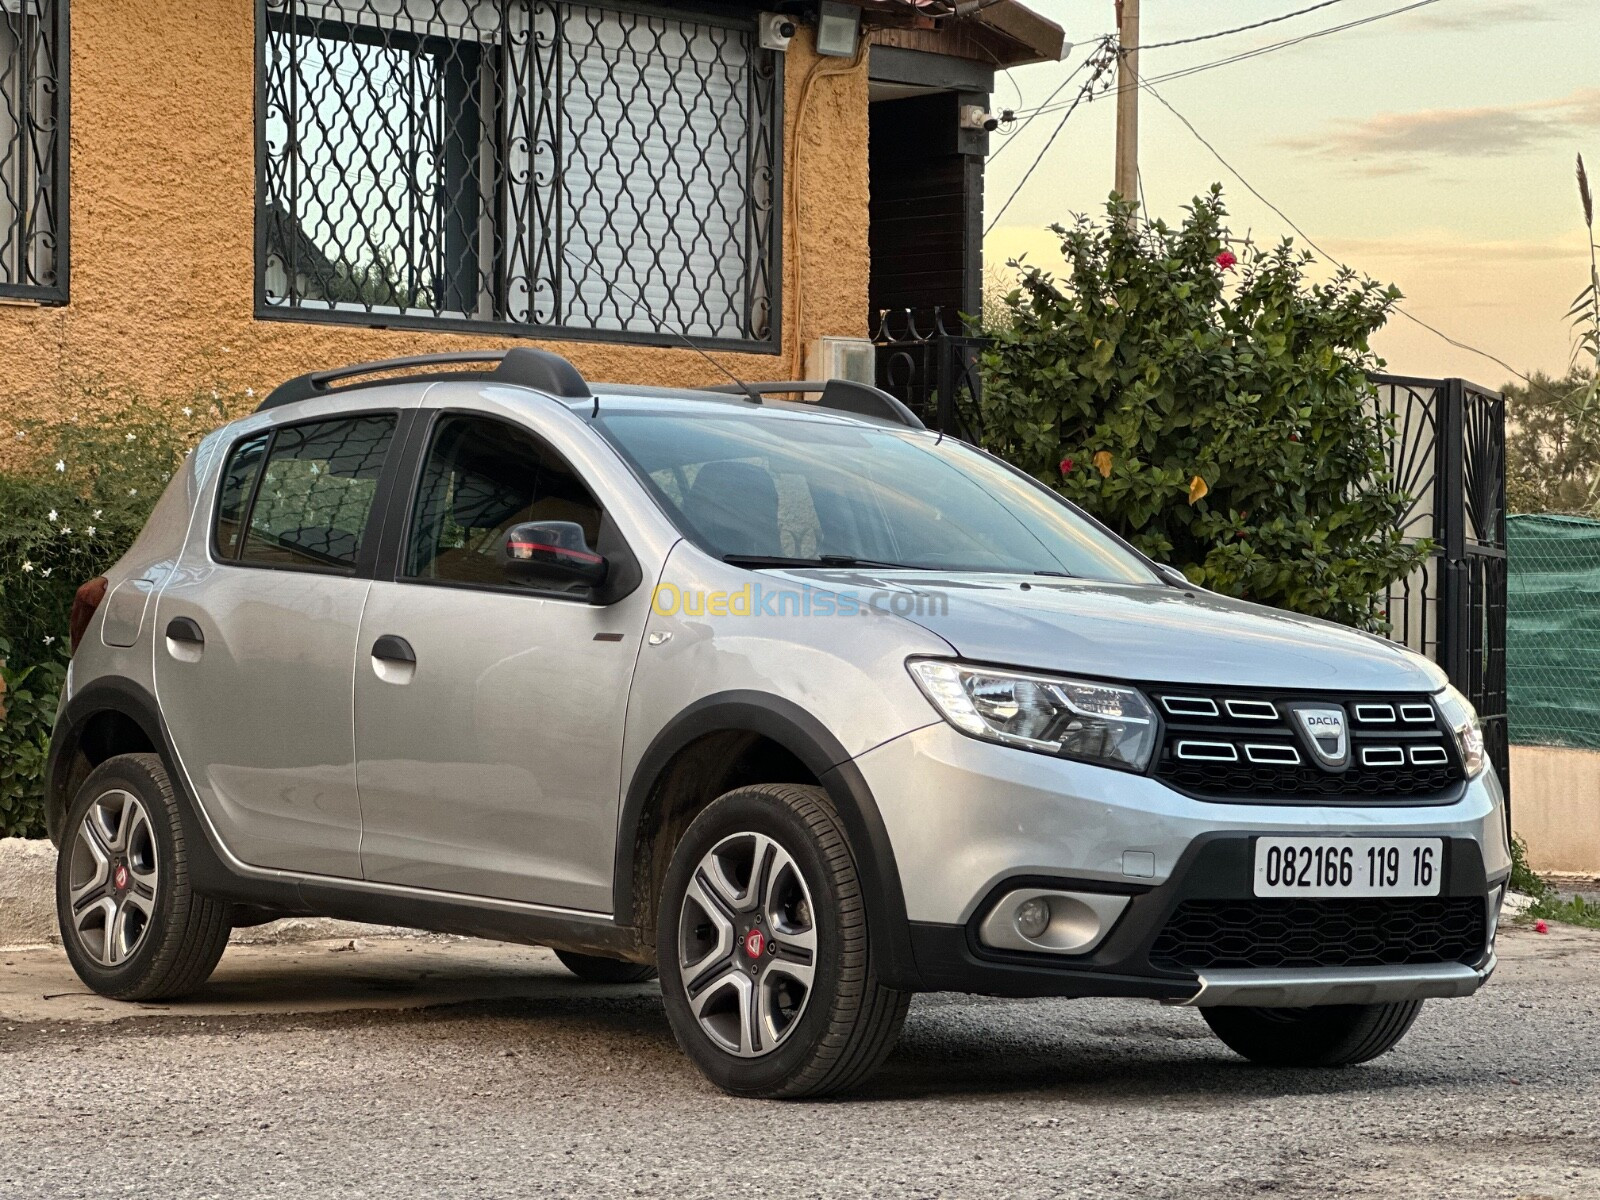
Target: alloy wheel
747	944
112	878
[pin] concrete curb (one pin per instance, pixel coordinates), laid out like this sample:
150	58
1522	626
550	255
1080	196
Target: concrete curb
28	906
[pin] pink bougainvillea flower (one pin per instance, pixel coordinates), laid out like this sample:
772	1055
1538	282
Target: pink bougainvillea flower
1066	466
1540	927
1227	260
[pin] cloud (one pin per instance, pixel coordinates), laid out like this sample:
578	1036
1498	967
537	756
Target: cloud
1391	143
1479	16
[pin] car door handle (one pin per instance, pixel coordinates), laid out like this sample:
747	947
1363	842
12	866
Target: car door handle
185	629
390	648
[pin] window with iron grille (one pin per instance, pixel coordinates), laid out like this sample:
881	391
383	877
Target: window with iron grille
572	170
33	149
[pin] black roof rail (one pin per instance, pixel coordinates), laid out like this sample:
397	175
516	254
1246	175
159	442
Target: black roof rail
842	395
522	366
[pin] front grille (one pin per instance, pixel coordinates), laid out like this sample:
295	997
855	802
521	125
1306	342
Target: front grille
1214	934
1248	745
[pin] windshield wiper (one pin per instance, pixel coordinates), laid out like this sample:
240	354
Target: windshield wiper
821	560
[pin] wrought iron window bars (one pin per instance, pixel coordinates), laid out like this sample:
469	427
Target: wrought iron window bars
528	166
33	150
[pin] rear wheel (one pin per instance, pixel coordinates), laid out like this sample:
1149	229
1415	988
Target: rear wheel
767	963
594	969
131	924
1330	1036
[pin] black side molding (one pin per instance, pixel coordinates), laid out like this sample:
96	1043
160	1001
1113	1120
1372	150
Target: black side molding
522	366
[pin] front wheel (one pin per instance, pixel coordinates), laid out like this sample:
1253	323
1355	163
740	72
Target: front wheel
768	967
1330	1036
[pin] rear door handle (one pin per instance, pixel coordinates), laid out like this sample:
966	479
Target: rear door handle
390	648
185	629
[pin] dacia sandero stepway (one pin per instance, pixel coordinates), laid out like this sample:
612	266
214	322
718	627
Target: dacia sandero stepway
793	701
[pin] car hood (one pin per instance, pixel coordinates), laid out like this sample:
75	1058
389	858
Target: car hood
1153	633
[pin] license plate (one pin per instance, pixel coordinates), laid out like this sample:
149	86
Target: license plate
1288	866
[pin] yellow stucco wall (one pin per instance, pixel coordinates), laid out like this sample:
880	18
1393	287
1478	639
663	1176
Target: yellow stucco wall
162	201
1555	808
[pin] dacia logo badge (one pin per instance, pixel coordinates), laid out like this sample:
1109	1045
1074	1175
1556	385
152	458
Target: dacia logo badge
1326	733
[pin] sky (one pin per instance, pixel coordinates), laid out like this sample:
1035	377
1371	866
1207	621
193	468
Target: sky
1433	149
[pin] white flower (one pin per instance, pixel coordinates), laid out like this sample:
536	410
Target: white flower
46	572
22	435
27	566
51	514
225	350
133	491
249	391
65	529
130	438
90	531
60	465
49	638
187	411
97	514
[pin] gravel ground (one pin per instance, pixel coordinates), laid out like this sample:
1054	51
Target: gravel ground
1497	1096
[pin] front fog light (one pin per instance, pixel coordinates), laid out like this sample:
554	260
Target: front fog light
1033	918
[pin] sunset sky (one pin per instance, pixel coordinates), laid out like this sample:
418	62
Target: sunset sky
1433	149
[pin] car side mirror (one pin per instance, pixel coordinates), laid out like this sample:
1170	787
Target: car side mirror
551	554
1172	576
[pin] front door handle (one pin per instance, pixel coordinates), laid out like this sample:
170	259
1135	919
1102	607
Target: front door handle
185	629
390	648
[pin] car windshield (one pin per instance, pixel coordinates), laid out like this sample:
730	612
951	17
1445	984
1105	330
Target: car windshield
780	488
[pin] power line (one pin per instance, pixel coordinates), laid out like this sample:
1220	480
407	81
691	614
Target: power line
1011	135
1249	187
1100	69
1183	72
1206	37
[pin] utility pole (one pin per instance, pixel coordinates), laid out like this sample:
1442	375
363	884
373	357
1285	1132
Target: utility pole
1127	182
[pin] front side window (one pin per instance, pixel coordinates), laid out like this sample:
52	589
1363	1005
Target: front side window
482	478
809	489
302	496
33	149
554	167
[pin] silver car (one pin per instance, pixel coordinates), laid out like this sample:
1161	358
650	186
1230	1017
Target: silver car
802	705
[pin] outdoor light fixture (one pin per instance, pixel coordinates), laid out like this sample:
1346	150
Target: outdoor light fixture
838	29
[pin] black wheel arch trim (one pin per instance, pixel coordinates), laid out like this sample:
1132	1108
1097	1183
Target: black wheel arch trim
810	741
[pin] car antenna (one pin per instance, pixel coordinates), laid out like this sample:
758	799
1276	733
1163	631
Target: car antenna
753	395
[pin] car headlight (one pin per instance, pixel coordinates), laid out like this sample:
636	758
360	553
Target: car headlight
1100	723
1463	722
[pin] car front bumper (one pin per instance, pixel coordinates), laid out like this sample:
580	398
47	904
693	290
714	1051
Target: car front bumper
969	822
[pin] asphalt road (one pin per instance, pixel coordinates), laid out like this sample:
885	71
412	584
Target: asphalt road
563	1089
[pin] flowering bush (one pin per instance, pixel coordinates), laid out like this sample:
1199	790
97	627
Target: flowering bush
82	492
1214	410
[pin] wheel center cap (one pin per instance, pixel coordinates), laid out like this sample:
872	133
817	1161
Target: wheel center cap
120	877
754	943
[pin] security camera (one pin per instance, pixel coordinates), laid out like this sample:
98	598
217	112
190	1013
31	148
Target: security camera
776	30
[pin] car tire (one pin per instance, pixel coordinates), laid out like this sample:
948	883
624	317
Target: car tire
768	965
593	969
1330	1036
131	923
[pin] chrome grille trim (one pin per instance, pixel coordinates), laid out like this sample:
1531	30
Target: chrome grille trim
1429	756
1190	706
1383	756
1251	710
1417	714
1221	752
1278	754
1375	714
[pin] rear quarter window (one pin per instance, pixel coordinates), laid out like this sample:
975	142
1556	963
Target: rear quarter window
302	496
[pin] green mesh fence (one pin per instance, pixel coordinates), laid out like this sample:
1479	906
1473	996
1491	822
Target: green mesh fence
1553	630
